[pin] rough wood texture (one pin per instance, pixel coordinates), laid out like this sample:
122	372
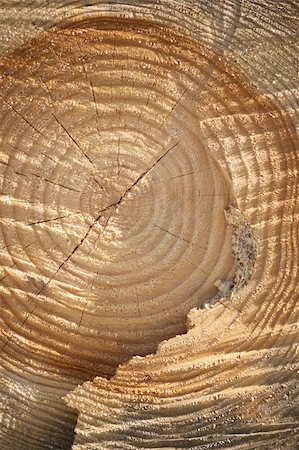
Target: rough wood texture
149	184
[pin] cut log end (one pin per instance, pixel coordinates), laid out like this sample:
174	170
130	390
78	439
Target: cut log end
128	151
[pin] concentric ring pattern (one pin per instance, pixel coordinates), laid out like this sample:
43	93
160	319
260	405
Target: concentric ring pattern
112	207
124	143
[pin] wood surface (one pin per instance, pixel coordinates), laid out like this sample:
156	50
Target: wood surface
149	225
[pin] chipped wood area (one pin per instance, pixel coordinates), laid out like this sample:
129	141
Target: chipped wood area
149	225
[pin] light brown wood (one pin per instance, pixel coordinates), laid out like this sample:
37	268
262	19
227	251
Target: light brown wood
149	225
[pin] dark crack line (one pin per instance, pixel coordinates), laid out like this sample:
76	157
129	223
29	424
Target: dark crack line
99	184
146	105
69	256
118	152
55	218
48	91
138	302
42	153
140	115
22	325
44	179
23	151
76	247
52	101
34	307
17	245
30	124
73	140
95	104
5	344
20	174
53	182
173	108
172	234
22	117
81	318
146	172
191	173
183	175
195	265
49	157
104	227
93	280
91	87
9	245
29	315
30	243
18	149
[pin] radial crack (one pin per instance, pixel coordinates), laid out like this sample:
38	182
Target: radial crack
55	183
172	234
98	183
81	318
106	224
48	90
173	108
118	152
138	302
77	246
91	88
146	172
73	140
183	175
45	179
195	265
55	218
73	251
22	117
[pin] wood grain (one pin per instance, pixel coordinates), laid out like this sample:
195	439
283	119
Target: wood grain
149	225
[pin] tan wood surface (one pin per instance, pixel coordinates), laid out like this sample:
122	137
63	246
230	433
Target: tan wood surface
149	225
